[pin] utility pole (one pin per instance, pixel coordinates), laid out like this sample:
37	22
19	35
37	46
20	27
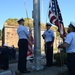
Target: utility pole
37	43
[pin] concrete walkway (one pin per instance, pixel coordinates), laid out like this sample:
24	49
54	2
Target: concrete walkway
54	70
47	71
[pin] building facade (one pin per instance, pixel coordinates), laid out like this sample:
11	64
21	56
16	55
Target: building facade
10	37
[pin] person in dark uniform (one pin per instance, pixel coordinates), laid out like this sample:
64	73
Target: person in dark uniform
23	35
13	52
5	57
48	37
0	57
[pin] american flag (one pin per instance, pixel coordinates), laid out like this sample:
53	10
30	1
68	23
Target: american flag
55	16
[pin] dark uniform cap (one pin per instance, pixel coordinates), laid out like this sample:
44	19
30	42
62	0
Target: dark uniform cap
48	24
19	20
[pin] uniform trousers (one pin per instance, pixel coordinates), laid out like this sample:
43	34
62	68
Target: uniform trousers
5	58
0	60
71	63
23	47
49	54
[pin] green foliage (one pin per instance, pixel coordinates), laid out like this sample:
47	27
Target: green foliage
57	34
11	21
0	32
61	58
29	22
0	38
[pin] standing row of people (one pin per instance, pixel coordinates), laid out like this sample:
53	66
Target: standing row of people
48	37
24	36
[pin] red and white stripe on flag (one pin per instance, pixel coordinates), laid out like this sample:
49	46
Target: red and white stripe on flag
55	16
53	19
30	42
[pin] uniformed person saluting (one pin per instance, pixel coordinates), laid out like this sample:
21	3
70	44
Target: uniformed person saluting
48	37
23	35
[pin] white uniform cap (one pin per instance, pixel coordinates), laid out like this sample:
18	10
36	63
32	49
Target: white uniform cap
72	23
5	45
21	19
48	24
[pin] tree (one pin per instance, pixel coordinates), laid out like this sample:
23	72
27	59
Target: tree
11	21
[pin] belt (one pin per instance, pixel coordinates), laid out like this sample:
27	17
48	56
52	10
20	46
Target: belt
22	39
49	42
71	53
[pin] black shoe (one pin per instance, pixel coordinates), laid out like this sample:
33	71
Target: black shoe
48	65
25	71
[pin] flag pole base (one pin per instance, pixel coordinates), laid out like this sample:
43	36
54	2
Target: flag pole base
37	68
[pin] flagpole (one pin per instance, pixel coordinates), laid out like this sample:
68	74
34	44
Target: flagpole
27	14
37	45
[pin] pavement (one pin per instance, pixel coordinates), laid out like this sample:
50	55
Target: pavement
53	70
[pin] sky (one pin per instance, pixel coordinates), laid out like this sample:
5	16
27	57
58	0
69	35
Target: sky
17	9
